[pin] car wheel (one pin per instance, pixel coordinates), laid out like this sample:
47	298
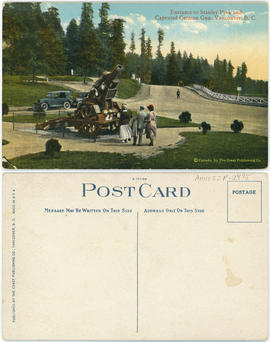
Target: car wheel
66	105
44	106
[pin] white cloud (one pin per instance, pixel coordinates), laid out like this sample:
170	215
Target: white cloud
141	18
48	5
126	18
65	25
194	27
158	25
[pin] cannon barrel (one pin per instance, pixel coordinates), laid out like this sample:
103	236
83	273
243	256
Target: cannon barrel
106	86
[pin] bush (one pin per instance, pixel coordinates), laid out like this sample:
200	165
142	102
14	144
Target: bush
205	127
185	117
4	109
52	146
237	126
4	142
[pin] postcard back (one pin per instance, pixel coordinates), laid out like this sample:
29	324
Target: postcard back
135	256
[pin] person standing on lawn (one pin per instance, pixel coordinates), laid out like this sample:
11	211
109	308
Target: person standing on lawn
125	130
151	126
138	125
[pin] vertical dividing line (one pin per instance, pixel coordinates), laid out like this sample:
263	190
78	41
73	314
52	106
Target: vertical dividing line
137	268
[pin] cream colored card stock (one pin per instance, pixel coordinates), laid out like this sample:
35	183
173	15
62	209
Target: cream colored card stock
135	256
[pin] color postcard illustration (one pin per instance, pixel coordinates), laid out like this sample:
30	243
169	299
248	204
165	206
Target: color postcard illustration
102	256
135	85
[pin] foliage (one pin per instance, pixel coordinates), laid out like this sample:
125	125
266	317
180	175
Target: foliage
185	117
52	146
205	127
219	151
237	126
5	108
117	44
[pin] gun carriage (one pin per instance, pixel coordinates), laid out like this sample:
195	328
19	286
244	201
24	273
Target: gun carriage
97	110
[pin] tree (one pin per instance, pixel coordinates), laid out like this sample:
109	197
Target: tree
243	74
217	74
117	44
104	33
229	78
132	46
160	41
52	18
237	126
89	49
172	70
158	75
132	59
205	127
72	45
143	57
185	117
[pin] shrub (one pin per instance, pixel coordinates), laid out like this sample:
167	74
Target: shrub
52	146
185	117
237	126
5	109
205	127
4	142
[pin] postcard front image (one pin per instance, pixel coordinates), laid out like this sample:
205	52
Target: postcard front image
135	85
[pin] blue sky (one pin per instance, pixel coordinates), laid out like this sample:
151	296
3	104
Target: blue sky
242	39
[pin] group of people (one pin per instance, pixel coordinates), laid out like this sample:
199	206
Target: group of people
144	122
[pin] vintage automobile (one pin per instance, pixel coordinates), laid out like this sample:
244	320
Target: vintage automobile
79	98
55	99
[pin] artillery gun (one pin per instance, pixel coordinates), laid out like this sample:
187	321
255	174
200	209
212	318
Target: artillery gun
97	110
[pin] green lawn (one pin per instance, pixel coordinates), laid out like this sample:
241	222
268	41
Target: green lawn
18	92
164	122
128	88
215	150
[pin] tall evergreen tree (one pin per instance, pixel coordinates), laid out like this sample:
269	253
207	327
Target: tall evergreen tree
143	57
160	41
89	48
172	69
243	74
72	45
117	44
132	46
104	33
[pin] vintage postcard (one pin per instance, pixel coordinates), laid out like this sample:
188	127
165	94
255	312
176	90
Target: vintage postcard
126	85
101	256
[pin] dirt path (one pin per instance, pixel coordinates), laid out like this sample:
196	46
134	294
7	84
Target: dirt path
23	140
219	114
